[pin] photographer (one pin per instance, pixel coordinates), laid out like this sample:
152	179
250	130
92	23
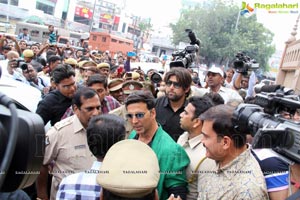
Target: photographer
278	134
41	83
6	40
13	69
244	82
244	78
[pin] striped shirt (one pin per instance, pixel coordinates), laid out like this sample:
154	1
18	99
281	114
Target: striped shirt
81	185
109	103
275	169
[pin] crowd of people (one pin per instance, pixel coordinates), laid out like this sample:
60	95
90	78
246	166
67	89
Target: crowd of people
115	134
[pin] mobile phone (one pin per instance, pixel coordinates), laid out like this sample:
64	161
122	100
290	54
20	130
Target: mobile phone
131	54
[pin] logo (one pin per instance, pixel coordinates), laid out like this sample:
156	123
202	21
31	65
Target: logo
280	8
246	10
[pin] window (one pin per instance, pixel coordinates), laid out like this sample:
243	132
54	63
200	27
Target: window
34	33
45	35
121	42
12	2
103	39
44	7
94	37
114	40
63	40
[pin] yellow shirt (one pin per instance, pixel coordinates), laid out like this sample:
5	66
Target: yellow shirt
240	179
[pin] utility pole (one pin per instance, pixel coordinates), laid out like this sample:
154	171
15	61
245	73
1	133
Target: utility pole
7	17
237	21
92	20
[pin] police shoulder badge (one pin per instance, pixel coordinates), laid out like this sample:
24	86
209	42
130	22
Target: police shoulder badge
47	141
131	87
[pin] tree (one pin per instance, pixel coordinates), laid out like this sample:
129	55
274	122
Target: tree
145	26
214	22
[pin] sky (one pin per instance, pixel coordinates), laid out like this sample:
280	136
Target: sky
281	24
162	12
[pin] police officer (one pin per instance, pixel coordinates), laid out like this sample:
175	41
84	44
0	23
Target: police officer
66	149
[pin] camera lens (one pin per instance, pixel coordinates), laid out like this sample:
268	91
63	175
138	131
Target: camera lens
22	64
156	78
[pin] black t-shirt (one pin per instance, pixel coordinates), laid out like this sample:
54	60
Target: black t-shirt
53	107
167	118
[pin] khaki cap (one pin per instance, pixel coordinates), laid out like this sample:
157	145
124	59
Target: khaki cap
28	53
130	169
88	62
135	75
71	61
131	76
103	65
115	84
131	86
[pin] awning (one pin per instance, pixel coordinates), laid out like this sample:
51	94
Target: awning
34	19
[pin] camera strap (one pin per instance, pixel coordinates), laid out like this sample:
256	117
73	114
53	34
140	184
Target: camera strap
42	82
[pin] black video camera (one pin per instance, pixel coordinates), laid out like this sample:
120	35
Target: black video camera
186	57
243	63
280	134
22	64
156	77
276	98
22	139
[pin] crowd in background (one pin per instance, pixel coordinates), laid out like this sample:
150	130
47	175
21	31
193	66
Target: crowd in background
187	124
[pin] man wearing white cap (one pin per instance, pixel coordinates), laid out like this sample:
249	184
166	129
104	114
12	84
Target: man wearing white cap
215	79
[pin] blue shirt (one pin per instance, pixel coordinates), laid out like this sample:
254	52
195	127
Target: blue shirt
275	170
81	185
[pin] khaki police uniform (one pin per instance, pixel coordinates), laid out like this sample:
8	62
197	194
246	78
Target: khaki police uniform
67	149
121	112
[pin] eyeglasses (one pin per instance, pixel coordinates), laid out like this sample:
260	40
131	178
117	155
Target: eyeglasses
139	115
175	84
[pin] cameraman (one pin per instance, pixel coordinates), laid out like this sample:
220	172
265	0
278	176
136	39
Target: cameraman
13	71
244	82
41	83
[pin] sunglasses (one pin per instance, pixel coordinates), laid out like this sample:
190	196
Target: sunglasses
137	115
175	84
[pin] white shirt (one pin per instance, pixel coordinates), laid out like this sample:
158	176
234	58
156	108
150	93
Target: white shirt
227	94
